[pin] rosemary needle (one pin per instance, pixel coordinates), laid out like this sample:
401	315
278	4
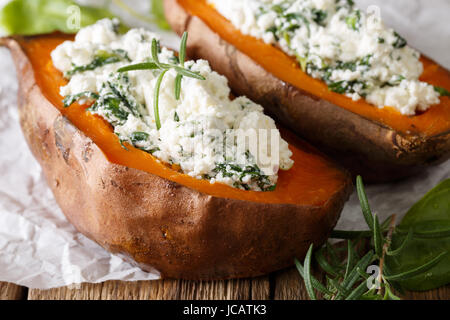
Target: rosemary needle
346	277
157	65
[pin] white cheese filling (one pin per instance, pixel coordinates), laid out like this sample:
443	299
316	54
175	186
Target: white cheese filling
353	52
197	131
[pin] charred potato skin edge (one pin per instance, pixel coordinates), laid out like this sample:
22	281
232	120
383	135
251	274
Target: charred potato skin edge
155	223
366	147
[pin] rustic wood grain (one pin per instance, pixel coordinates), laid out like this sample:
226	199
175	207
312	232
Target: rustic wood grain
288	285
437	294
111	290
283	285
261	288
9	291
246	289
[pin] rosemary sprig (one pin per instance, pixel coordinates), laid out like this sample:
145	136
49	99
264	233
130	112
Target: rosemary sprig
346	277
155	64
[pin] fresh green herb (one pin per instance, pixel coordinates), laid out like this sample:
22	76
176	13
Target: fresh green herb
115	102
421	265
156	98
319	16
101	59
176	118
295	20
69	100
354	20
428	221
256	175
32	17
114	112
120	88
163	68
443	92
400	42
278	9
274	31
343	87
139	136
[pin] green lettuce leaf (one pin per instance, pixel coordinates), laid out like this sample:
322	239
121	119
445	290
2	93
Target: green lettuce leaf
32	17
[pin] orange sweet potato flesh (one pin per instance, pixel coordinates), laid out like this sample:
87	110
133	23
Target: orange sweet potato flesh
155	216
380	144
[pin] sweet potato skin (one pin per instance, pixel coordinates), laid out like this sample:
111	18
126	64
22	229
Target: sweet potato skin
365	147
155	223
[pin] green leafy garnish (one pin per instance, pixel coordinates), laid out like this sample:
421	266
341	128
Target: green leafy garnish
32	17
429	223
401	261
163	68
400	42
353	20
443	92
139	136
319	16
115	101
69	100
257	176
101	59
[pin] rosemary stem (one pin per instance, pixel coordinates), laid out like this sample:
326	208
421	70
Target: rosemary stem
156	99
386	248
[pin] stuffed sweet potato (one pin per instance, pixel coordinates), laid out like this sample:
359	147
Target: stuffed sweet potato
130	203
382	144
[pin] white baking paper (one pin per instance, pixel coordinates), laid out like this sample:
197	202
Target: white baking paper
40	249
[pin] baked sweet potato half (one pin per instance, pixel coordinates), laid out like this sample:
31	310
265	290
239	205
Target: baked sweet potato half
380	144
133	205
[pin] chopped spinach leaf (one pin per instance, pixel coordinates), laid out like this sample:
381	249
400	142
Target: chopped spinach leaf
101	59
319	16
400	42
139	136
71	99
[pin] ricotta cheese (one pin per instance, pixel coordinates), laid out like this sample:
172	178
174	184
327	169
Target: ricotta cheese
208	135
351	51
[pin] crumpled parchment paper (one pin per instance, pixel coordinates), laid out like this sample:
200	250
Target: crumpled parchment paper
39	248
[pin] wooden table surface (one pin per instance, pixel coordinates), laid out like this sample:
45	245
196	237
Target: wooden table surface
282	285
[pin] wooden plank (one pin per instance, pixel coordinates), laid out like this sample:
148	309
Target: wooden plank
160	290
283	285
112	290
260	288
216	290
9	291
81	292
288	285
437	294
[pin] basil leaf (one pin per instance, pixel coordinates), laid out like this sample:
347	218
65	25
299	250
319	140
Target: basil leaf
429	222
32	17
158	14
